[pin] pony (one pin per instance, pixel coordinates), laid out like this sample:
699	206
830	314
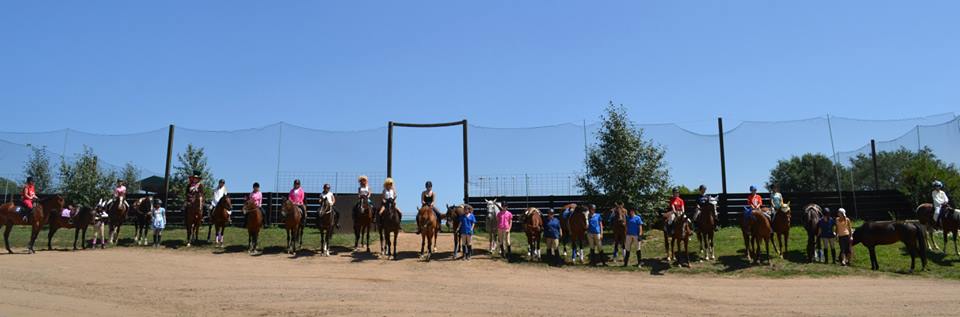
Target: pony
362	220
760	230
219	218
193	219
872	234
389	223
81	222
453	220
745	231
533	227
810	217
578	232
326	223
56	221
565	226
292	222
706	224
427	221
781	226
492	223
254	223
680	231
118	214
9	217
618	216
951	222
141	215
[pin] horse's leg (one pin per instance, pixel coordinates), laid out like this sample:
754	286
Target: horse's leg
955	249
76	234
83	238
6	237
209	227
33	238
53	230
873	258
933	240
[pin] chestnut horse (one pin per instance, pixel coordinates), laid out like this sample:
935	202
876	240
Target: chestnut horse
327	223
760	230
781	226
810	217
193	219
577	224
619	225
428	230
565	226
57	221
951	222
141	219
219	218
389	223
680	232
533	227
453	222
872	234
45	208
292	221
706	224
118	214
254	223
81	222
362	220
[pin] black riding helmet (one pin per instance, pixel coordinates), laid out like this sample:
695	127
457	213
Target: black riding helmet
429	184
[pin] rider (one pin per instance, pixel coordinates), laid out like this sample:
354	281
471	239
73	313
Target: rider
677	208
120	194
939	200
29	194
194	187
703	200
389	197
257	197
429	198
754	201
329	200
776	200
296	197
217	195
363	192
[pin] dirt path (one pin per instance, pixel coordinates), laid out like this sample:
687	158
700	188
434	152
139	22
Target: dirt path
149	282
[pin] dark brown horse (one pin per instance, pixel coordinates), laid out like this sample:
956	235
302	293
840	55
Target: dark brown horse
706	224
427	221
362	220
57	221
389	223
618	222
810	217
872	234
533	227
680	232
193	219
760	230
141	219
254	223
453	222
326	223
781	227
565	226
219	218
81	222
292	222
951	224
745	231
577	224
40	214
117	211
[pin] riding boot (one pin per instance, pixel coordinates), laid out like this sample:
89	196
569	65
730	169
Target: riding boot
592	257
626	258
833	254
603	258
508	253
639	258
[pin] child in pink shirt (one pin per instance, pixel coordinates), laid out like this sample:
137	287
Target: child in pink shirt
504	222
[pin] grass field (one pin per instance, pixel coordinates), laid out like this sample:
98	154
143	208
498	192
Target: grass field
893	259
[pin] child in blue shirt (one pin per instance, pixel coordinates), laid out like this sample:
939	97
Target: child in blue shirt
551	234
595	234
467	222
634	230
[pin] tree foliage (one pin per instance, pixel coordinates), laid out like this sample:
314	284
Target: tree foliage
84	182
624	167
38	167
131	176
192	159
807	173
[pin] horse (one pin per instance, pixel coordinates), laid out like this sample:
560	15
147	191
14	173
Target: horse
326	223
492	223
619	225
680	231
292	222
760	229
533	227
745	231
389	223
141	215
362	220
427	221
578	232
706	224
565	226
81	222
194	219
219	218
453	221
872	234
951	222
254	223
56	221
810	217
42	210
781	226
117	213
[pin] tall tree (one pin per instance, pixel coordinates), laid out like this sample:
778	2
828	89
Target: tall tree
131	176
84	182
918	176
890	168
192	159
38	167
807	173
624	167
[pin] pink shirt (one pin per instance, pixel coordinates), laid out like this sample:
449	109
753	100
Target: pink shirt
296	196
120	191
257	198
506	220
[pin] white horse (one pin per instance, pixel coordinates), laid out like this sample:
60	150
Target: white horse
492	223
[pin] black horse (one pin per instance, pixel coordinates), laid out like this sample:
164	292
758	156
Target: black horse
810	217
872	234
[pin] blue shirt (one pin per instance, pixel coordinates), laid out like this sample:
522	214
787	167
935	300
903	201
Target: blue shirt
566	214
826	228
552	229
593	224
633	225
466	224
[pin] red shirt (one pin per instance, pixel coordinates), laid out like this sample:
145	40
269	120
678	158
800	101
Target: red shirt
28	192
755	201
677	203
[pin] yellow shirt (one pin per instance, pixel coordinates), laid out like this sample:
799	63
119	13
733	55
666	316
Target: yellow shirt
843	226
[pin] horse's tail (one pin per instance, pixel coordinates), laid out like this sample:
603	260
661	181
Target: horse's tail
922	239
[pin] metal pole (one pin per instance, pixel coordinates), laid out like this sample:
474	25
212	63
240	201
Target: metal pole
390	149
836	160
466	166
723	172
919	145
876	173
166	174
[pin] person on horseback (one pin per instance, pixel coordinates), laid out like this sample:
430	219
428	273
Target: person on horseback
120	194
363	192
634	231
754	202
217	195
28	195
776	201
940	199
595	233
327	202
389	198
194	187
467	222
551	234
428	198
677	208
297	197
702	200
257	197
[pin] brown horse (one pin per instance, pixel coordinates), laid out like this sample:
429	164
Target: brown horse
619	225
389	223
577	224
427	221
326	223
254	223
39	215
810	217
745	230
141	219
680	232
193	219
565	226
219	218
118	214
951	222
291	222
57	221
453	222
872	234
533	227
781	226
362	220
760	230
81	222
706	224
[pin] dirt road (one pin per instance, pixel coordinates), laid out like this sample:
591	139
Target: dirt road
150	282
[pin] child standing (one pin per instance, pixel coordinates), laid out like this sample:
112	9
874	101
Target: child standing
100	217
844	230
467	222
827	236
595	235
551	234
159	215
634	230
504	224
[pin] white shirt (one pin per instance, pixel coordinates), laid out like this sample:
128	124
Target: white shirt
939	198
219	193
364	191
328	198
389	194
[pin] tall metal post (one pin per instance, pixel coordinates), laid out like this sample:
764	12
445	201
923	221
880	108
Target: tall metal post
876	173
166	174
466	166
723	173
389	149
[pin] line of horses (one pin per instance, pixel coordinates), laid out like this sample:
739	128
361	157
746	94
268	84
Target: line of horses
757	229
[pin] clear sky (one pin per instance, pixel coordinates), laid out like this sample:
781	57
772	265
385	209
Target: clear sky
130	66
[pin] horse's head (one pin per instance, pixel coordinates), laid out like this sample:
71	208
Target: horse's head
492	205
249	205
786	207
224	202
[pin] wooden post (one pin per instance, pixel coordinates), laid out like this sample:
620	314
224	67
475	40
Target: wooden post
389	149
876	173
466	166
723	173
166	174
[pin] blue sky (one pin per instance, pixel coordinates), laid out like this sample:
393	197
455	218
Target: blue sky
122	66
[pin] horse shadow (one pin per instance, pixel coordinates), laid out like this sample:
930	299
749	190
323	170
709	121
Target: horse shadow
796	256
173	244
940	258
236	248
303	253
405	255
657	267
733	263
126	242
362	256
274	249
